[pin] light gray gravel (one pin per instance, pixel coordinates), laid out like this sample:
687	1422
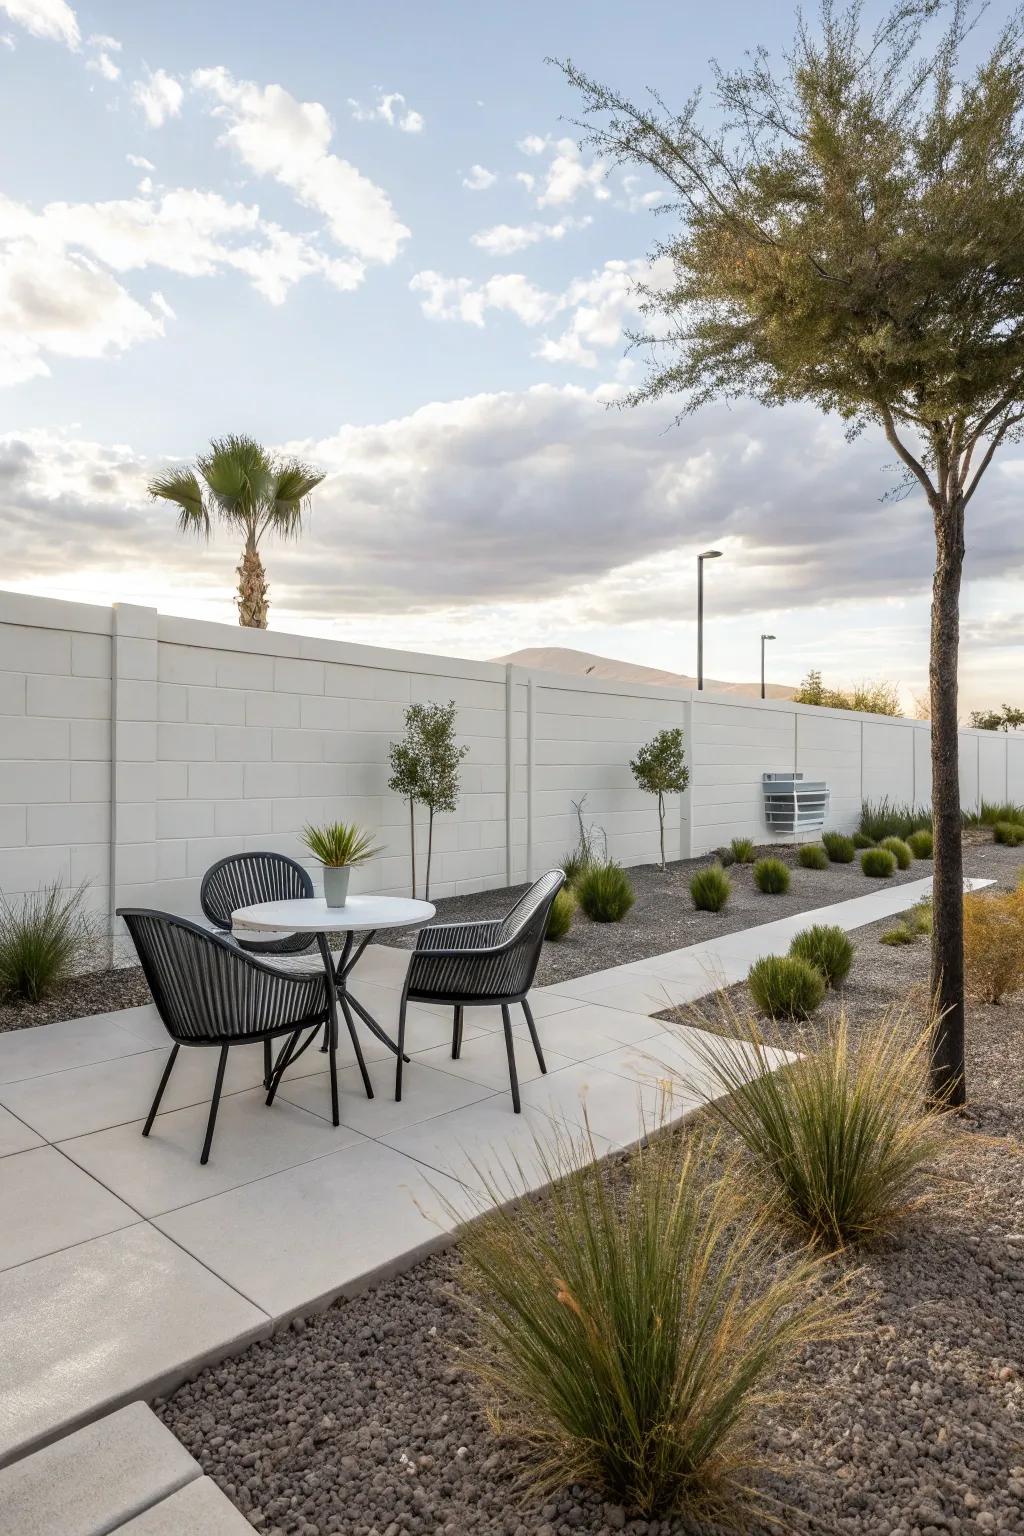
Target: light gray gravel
356	1421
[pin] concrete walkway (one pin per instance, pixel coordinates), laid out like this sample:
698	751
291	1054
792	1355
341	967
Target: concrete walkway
125	1265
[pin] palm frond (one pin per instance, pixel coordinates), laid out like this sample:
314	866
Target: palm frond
182	487
238	472
288	494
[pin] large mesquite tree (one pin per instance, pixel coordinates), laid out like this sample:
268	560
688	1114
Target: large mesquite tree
851	233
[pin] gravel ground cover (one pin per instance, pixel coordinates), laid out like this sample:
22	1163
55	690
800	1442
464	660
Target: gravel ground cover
663	918
358	1420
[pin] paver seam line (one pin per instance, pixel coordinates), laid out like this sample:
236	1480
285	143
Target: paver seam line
142	1051
492	1093
15	1116
10	1269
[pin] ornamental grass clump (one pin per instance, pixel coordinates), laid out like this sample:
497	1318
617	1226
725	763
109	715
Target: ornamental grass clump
887	818
785	986
839	848
840	1137
861	840
742	849
920	843
563	910
878	863
44	940
812	856
826	947
994	943
629	1338
710	888
605	893
771	877
1010	833
899	850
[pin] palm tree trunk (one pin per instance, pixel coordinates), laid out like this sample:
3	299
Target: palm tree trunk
253	592
947	977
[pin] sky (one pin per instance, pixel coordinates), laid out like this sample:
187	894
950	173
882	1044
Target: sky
368	236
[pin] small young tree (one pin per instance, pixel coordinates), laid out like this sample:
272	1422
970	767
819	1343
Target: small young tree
425	767
660	769
1009	718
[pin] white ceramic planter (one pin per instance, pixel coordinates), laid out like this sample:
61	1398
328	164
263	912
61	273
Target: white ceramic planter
336	884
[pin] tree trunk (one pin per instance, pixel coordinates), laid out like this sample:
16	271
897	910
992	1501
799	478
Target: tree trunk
661	826
948	1079
412	842
253	592
430	850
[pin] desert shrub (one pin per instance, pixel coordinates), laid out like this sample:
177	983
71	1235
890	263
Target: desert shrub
812	856
563	909
742	850
1009	832
771	877
710	889
43	941
920	915
575	863
605	892
861	840
901	934
725	857
899	850
785	987
879	863
840	1135
993	811
828	949
920	843
886	818
993	944
839	848
627	1342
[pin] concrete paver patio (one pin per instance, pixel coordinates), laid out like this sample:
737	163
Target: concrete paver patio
124	1264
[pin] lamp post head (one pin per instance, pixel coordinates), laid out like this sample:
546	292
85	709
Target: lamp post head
710	554
767	637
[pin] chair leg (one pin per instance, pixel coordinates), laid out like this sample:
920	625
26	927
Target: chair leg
172	1058
531	1026
350	1021
400	1058
457	1034
268	1063
332	1058
510	1052
287	1052
215	1105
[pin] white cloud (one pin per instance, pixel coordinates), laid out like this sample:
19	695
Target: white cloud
567	173
140	162
635	201
458	298
533	144
160	96
276	135
525	179
52	19
392	108
504	239
101	61
478	178
7	41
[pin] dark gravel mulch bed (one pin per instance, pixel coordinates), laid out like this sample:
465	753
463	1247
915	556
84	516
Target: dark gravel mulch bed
357	1421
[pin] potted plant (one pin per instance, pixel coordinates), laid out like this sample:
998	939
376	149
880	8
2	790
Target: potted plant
339	846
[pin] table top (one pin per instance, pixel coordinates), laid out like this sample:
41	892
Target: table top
311	914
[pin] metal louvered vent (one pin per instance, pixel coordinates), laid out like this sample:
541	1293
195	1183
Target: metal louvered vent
791	804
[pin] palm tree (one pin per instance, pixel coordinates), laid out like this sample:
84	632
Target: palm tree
251	491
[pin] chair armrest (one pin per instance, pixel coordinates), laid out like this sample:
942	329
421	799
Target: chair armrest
459	937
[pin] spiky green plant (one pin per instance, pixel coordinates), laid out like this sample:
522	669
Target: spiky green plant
742	850
812	856
605	892
901	934
887	818
900	851
771	877
239	483
629	1342
575	863
827	947
861	840
785	987
339	843
839	848
993	811
841	1135
920	843
563	909
1010	833
43	941
710	888
878	863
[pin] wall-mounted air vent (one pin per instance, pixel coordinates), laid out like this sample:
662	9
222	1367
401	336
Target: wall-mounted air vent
791	804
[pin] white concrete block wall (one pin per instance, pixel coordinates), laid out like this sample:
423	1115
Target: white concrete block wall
152	746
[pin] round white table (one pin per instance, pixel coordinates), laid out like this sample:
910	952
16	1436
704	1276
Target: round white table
363	915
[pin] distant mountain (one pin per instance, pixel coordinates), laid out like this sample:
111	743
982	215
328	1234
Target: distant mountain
571	663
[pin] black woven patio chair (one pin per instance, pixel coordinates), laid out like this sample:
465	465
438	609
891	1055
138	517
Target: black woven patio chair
242	880
208	992
469	965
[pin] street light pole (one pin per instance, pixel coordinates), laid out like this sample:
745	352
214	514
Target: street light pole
709	554
763	639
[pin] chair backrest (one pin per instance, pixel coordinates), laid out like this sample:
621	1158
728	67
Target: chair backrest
243	879
207	990
509	972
